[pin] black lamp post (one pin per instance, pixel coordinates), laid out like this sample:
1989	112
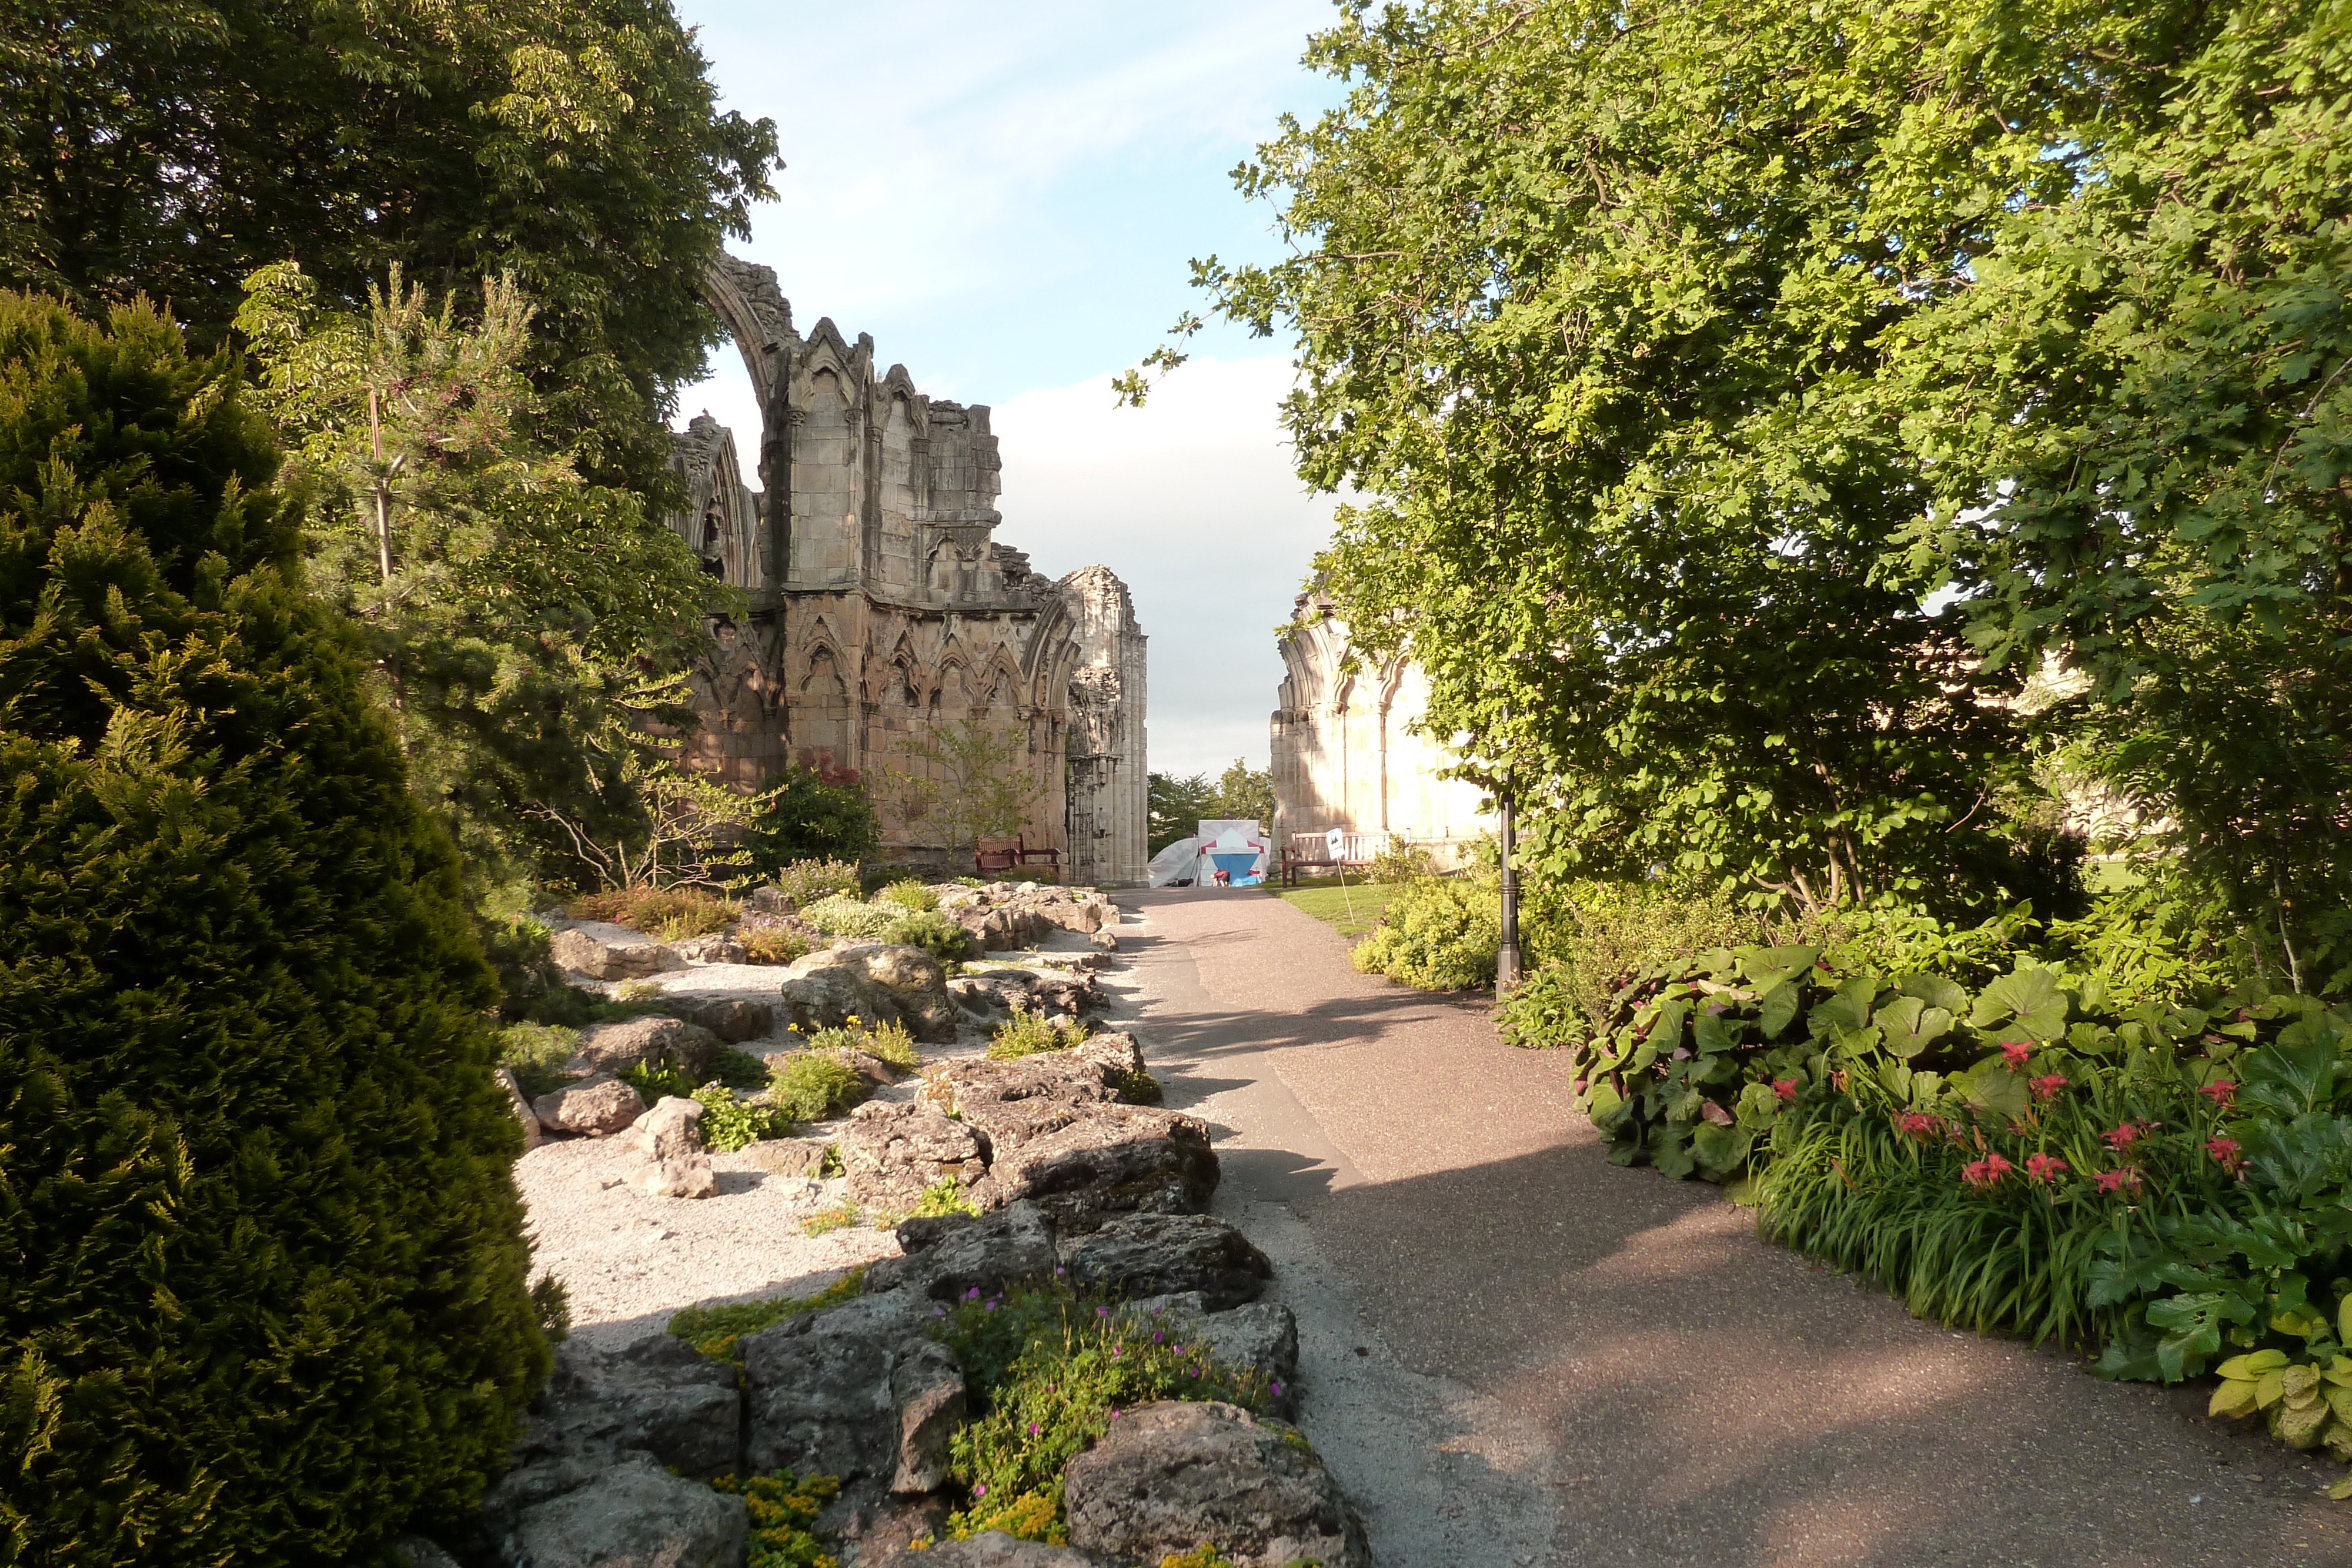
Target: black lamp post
1507	956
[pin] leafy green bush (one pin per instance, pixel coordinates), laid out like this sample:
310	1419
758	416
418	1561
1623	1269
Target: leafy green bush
811	814
1047	1368
804	882
535	1053
846	915
716	1330
654	1079
1403	861
812	1085
1588	941
893	1043
728	1123
1439	934
267	1298
770	942
937	935
909	893
532	987
1027	1034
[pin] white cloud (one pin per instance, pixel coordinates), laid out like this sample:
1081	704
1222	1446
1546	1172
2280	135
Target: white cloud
1191	500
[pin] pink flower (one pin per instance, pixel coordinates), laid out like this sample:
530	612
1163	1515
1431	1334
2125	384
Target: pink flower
2044	1167
2047	1087
1986	1172
2016	1052
2123	1137
1034	1428
2220	1091
980	1491
2225	1153
1278	1389
1919	1125
2117	1180
1786	1088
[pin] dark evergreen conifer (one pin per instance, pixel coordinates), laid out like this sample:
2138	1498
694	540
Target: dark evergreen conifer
263	1279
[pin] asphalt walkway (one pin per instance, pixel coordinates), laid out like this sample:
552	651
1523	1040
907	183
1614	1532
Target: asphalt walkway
1515	1353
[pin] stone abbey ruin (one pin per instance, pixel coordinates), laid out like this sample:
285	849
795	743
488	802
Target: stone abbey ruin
887	630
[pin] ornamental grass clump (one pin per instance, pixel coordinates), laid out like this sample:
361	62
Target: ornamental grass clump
909	893
671	914
812	1085
1047	1371
268	1291
1028	1033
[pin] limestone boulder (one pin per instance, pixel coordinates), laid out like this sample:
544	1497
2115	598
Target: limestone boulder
582	954
787	1157
656	1037
826	1393
1141	1255
1104	941
1260	1337
927	1390
1169	1476
945	1257
893	1151
732	1018
717	947
1116	1159
874	981
524	1116
634	1515
994	1549
667	1158
1000	927
656	1396
594	1107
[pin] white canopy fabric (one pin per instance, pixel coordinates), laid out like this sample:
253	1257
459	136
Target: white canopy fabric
1177	862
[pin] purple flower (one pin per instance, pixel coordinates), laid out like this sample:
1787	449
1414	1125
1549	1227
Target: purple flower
972	1294
980	1491
1102	1311
1034	1428
1278	1389
1157	1337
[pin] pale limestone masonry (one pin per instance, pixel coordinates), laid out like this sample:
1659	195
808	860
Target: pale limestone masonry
882	612
1344	751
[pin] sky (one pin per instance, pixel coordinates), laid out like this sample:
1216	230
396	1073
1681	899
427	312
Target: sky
1006	198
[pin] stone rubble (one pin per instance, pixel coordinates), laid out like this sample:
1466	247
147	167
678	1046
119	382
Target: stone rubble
667	1144
596	1107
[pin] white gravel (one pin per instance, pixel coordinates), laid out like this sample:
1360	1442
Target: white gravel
628	1261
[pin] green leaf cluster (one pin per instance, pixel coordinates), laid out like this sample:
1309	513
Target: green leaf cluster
1439	934
268	1299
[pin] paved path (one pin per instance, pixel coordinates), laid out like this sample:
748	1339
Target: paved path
1564	1362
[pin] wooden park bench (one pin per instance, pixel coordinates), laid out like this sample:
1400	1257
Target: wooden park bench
1007	854
1324	851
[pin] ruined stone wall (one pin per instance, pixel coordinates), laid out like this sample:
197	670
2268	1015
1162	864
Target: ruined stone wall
886	622
1109	785
1345	754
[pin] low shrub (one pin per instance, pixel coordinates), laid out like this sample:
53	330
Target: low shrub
1027	1034
807	813
1400	862
813	1085
846	915
535	1053
784	1510
671	914
738	1069
893	1043
1588	941
935	934
638	991
716	1330
1047	1371
1438	934
729	1123
532	987
939	1199
805	882
909	893
653	1080
766	943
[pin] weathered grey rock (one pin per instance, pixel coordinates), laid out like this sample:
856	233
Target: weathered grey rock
875	981
656	1396
655	1037
994	994
583	954
823	1398
891	1152
1012	1102
597	1106
788	1156
667	1144
994	1549
635	1515
419	1552
1116	1159
717	947
1002	928
731	1019
1141	1255
948	1257
1260	1337
524	1116
927	1388
1169	1476
769	899
1104	941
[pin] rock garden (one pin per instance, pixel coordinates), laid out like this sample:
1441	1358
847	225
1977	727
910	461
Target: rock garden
884	1252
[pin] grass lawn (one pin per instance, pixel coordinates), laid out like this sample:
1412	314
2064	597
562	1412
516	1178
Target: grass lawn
1352	908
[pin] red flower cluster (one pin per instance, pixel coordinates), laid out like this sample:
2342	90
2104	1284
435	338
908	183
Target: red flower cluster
2017	1053
1986	1172
1786	1088
2044	1167
2125	1136
2225	1154
2126	1179
1917	1124
2047	1087
2220	1091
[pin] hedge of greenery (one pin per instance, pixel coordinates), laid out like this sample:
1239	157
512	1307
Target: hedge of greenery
267	1298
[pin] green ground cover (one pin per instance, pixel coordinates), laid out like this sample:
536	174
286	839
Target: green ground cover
1353	907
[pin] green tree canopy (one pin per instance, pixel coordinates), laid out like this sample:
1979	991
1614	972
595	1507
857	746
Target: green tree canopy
1592	304
171	147
265	1294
